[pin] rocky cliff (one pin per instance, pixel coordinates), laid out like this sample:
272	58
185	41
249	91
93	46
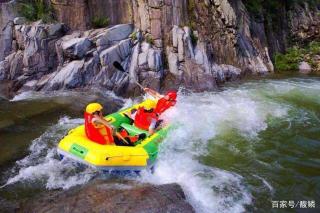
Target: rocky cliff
196	44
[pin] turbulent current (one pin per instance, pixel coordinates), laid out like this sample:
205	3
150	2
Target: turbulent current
234	150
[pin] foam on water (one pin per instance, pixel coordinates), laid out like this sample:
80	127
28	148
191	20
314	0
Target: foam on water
33	95
199	118
43	163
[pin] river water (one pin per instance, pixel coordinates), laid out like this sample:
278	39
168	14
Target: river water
234	150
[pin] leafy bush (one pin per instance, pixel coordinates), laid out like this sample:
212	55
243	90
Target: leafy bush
100	22
149	39
314	48
133	35
34	10
291	59
287	62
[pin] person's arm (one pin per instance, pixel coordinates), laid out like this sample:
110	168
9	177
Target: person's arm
103	121
153	93
152	126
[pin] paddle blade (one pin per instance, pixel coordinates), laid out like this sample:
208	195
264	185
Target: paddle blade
118	66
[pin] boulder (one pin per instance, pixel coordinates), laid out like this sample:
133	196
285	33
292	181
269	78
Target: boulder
11	67
76	48
113	35
39	46
304	68
226	72
69	77
19	20
103	196
117	52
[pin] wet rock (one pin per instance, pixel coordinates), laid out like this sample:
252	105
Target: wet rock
39	46
226	72
102	196
76	48
304	68
112	35
19	20
11	67
68	77
117	52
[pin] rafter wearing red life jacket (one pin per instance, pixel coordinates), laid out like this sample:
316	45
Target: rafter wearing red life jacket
101	135
144	118
166	102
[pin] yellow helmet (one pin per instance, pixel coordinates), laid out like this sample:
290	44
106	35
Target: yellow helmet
149	104
93	107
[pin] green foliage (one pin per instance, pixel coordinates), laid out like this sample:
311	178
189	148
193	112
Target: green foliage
149	39
100	22
254	6
291	59
34	10
288	61
133	35
314	48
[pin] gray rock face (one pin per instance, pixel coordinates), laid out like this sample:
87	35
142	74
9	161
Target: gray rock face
68	77
161	50
108	197
113	35
8	11
76	48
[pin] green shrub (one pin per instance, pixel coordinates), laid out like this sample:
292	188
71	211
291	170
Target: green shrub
149	39
314	48
289	61
133	35
34	10
100	22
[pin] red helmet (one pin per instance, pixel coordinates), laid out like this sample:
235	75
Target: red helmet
172	95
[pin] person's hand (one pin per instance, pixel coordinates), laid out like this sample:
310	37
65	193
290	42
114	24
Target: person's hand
146	89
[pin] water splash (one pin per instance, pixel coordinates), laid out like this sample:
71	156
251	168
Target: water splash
199	119
44	164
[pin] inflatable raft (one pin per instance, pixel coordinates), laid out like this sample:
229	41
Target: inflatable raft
77	146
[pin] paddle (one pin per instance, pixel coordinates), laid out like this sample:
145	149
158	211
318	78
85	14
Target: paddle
118	66
122	138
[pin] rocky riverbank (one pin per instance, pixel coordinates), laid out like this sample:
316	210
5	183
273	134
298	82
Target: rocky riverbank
163	44
103	196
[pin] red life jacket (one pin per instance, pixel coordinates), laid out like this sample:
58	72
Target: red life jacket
143	119
164	104
94	134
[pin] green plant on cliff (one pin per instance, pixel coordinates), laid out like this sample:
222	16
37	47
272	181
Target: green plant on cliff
133	35
149	39
291	59
100	22
34	10
288	61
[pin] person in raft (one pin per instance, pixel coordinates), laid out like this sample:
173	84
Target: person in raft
148	118
99	130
